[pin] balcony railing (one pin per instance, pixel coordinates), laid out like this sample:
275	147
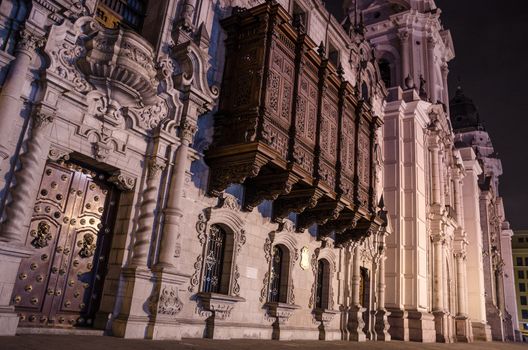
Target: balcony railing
291	129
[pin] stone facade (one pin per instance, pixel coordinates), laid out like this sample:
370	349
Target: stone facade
303	187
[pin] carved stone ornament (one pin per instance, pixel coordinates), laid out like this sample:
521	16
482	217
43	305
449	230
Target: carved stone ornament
57	154
229	201
169	302
41	120
131	75
123	181
279	312
219	305
149	117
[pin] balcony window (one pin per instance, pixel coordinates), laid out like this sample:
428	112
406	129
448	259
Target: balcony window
121	13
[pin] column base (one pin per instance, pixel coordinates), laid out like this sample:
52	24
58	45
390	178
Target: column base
412	326
133	320
481	331
464	333
10	258
356	324
382	325
494	317
165	304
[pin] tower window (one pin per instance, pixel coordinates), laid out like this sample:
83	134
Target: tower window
121	13
323	285
385	71
214	260
279	275
299	16
333	55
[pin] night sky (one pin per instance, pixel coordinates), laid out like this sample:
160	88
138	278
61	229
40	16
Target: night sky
491	46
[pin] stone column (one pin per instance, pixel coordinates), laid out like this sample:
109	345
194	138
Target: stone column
170	243
18	216
12	89
438	273
445	94
461	284
355	320
435	174
382	323
27	178
404	40
431	43
146	217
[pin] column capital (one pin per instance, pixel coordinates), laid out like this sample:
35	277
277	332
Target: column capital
28	41
403	35
156	165
42	119
188	129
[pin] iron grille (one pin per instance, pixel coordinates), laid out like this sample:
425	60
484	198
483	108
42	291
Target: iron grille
275	275
214	259
320	284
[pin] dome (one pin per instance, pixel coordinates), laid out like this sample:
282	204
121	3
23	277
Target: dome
464	113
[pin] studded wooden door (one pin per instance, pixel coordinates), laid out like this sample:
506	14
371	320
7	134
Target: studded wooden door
70	235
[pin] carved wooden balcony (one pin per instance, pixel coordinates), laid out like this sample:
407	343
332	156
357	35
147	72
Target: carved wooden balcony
120	63
289	127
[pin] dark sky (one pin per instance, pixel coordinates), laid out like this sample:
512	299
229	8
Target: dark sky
491	45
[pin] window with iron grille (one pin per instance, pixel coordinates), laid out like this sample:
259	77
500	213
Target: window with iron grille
121	13
214	260
323	285
278	290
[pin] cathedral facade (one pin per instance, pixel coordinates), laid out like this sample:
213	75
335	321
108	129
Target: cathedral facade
244	169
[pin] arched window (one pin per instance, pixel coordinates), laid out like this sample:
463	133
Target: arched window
385	71
214	278
279	275
323	285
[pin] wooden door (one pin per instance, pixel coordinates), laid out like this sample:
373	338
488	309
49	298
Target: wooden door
70	233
